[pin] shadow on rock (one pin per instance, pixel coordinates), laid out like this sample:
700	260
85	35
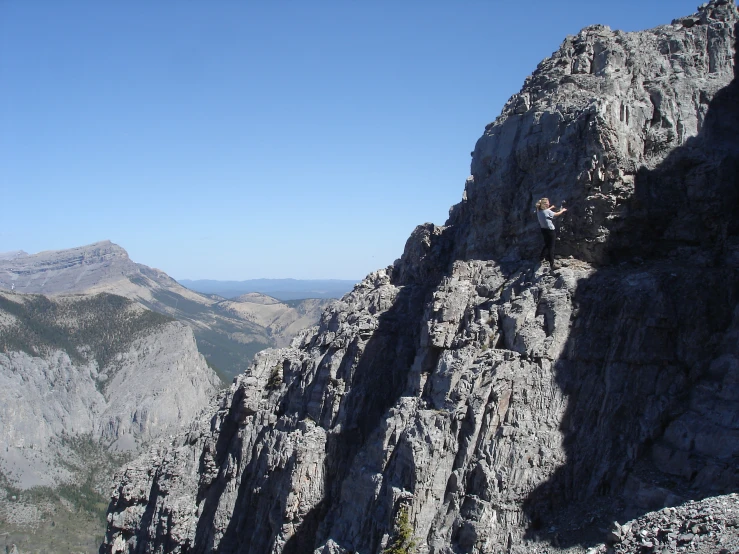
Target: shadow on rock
651	367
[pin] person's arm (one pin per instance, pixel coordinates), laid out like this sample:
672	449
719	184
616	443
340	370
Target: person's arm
560	212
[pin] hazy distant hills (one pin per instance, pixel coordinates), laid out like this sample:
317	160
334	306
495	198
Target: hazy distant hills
282	289
228	332
12	255
283	320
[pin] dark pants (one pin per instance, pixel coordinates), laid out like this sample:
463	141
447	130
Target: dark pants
549	237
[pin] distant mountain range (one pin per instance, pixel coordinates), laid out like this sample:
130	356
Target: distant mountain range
12	255
282	289
228	332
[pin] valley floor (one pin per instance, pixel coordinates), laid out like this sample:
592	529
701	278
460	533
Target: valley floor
50	527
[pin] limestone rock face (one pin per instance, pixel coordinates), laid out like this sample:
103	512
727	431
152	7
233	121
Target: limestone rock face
504	407
602	110
99	366
72	270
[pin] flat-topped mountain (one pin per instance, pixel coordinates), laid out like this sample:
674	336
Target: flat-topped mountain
469	398
227	334
63	271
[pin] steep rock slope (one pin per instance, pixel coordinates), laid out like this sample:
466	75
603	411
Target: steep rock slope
502	407
98	366
227	339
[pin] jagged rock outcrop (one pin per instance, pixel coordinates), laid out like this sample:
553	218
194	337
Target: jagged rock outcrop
503	407
100	367
228	333
605	109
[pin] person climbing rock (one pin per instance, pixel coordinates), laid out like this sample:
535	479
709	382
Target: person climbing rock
546	214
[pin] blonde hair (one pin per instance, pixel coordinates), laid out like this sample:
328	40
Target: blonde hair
540	204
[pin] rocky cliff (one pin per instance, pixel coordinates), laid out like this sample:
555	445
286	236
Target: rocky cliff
500	406
228	333
86	382
101	367
63	271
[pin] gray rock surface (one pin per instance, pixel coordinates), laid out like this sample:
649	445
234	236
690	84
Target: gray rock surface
710	526
229	333
594	118
507	408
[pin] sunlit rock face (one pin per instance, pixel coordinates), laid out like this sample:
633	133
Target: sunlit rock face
504	407
606	107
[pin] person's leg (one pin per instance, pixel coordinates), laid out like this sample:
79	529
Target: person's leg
552	238
544	249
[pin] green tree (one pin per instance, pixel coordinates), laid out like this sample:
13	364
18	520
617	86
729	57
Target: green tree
402	541
275	378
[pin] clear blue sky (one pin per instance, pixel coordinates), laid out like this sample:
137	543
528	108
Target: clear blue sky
233	140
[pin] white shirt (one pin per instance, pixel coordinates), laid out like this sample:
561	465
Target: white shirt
546	219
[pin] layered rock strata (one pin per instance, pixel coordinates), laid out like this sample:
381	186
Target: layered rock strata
503	407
